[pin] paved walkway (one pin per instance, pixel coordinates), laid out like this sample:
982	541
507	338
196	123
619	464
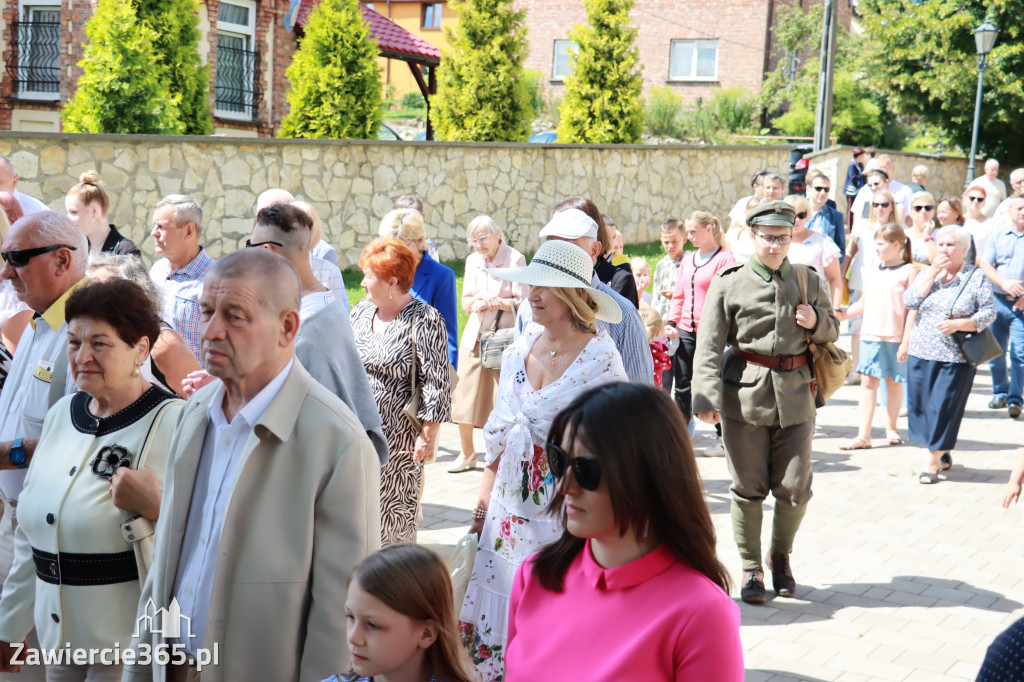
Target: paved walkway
898	581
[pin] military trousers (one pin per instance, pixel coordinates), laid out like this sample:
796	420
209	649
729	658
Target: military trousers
763	460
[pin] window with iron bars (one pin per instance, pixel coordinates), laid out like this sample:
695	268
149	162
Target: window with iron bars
238	62
34	62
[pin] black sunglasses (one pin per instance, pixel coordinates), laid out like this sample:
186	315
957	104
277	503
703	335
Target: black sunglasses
586	470
250	245
21	257
975	199
923	208
820	189
801	215
884	204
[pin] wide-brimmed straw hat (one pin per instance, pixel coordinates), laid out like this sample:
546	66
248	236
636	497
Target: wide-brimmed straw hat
562	264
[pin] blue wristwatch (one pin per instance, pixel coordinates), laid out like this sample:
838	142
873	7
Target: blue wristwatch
18	454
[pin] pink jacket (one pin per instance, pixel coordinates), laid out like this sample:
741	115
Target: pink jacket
654	619
692	288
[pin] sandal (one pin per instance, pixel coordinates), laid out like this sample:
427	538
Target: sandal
946	462
928	478
894	437
857	443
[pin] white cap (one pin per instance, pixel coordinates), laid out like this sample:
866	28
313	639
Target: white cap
571	223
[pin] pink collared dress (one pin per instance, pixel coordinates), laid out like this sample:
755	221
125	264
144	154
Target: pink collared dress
653	619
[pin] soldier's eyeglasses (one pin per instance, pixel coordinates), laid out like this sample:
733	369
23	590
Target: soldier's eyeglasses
781	240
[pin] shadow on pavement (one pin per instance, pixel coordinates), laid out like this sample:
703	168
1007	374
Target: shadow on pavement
759	675
831	463
438	516
822	603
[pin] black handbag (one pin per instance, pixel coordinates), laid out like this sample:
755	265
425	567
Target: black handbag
977	347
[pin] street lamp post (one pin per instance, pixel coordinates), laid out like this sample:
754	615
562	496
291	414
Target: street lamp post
984	40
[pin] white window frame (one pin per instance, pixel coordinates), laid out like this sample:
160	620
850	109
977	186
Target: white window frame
695	46
24	14
248	33
570	46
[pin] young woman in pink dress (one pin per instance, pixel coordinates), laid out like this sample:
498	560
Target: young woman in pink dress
633	589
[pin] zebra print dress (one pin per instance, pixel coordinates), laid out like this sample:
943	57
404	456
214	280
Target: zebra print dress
387	356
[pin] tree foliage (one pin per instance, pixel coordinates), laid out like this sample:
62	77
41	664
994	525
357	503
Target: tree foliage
922	55
176	23
482	92
860	113
121	89
335	79
602	102
794	29
855	117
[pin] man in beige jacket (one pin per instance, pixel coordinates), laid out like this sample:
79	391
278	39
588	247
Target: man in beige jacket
271	500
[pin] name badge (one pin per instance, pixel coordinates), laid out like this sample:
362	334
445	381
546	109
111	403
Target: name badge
44	371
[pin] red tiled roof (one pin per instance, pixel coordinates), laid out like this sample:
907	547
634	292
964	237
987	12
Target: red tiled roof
392	39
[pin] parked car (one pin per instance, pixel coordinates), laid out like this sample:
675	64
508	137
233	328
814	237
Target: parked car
544	137
386	133
798	168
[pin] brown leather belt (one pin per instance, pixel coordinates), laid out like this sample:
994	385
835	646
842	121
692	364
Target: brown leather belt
782	363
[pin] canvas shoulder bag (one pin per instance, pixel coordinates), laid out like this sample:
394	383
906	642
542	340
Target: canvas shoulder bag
830	365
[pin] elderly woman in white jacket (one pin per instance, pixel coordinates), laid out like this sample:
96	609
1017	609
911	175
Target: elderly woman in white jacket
491	304
89	502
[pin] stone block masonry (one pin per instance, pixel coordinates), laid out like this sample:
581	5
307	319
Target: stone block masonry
352	183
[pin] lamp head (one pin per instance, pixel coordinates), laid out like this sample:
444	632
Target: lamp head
985	37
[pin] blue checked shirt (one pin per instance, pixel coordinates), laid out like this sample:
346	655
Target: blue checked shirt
181	290
1005	252
630	335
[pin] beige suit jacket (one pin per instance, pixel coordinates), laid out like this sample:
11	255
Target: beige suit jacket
304	511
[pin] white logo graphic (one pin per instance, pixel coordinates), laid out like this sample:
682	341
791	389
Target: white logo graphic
161	621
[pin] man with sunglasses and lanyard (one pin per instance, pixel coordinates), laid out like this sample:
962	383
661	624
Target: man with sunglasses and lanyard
760	389
45	259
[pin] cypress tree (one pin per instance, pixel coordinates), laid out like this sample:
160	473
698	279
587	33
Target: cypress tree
602	103
481	90
176	23
335	79
121	90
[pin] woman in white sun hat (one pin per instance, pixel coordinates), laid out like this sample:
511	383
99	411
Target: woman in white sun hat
556	358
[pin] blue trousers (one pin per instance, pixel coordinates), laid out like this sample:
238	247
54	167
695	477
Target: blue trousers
1009	331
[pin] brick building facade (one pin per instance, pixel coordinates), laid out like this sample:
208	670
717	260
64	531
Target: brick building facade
41	43
692	46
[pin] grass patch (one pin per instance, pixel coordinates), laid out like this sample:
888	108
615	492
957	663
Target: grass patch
652	251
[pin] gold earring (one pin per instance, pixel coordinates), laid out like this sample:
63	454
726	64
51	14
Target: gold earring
391	295
136	372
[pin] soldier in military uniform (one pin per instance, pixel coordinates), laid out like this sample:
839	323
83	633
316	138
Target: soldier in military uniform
759	389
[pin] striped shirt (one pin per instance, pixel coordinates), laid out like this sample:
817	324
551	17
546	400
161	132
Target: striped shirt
182	289
629	335
329	275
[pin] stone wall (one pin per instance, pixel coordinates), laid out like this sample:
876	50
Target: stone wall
945	173
352	183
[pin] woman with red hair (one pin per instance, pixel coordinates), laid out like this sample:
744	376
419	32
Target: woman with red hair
404	347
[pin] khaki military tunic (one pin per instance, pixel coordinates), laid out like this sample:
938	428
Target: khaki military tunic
754	309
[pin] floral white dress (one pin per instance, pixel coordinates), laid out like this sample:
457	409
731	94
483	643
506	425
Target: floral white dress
516	526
